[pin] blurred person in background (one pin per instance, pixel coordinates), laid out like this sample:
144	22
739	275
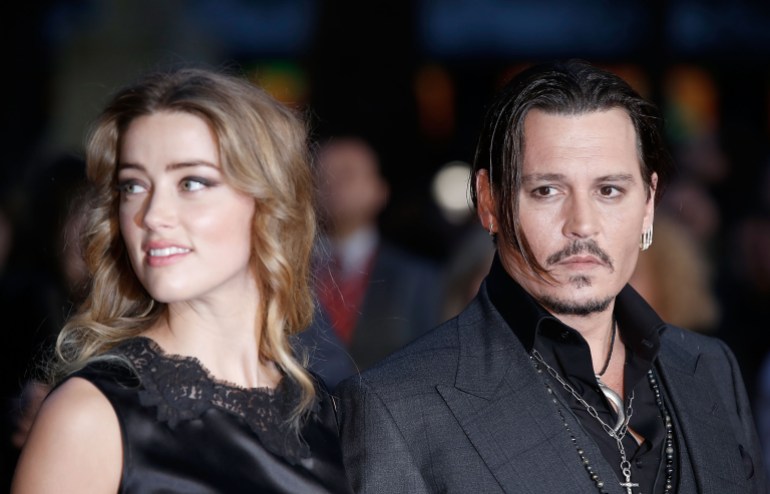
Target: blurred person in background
42	281
70	277
750	307
373	296
745	285
747	295
675	277
466	268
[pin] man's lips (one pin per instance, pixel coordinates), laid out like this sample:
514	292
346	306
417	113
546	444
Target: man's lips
582	260
581	254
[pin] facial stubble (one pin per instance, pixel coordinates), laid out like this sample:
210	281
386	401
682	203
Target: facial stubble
569	307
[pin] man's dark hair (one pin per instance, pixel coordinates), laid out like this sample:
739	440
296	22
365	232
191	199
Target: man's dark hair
572	87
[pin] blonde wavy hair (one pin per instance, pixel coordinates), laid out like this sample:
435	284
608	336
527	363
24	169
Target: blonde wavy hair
264	153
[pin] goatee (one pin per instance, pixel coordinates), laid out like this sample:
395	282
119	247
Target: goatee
570	308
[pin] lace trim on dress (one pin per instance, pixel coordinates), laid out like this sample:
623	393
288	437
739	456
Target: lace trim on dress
183	389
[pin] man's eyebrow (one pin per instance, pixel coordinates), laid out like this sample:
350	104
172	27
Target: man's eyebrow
557	177
619	177
542	177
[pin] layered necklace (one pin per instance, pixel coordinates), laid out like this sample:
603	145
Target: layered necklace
612	396
619	430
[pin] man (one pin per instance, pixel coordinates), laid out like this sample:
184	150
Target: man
373	297
558	377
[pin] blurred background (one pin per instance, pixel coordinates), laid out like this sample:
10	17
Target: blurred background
412	79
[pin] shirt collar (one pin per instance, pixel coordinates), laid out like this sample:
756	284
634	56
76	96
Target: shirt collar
638	323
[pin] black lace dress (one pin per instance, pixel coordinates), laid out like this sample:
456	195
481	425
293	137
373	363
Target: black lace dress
185	432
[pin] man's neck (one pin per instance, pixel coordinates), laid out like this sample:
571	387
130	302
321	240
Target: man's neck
596	329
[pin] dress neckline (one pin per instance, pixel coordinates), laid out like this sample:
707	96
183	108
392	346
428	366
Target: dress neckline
155	347
181	389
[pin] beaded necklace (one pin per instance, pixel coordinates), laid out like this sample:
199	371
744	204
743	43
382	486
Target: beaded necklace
625	465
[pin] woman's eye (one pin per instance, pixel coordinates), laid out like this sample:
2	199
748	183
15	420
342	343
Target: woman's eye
193	184
130	187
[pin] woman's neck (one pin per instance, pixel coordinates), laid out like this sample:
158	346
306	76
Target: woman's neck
225	340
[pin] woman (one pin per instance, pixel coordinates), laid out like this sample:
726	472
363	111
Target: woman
177	374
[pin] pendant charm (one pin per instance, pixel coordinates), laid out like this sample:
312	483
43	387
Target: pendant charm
628	486
617	404
625	466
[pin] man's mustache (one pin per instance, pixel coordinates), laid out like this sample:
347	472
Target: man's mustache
580	247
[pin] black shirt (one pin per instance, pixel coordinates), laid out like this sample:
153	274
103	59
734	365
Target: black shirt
564	349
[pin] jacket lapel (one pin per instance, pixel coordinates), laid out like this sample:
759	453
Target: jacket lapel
701	419
502	405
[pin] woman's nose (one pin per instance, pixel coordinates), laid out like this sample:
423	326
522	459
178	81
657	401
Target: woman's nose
159	210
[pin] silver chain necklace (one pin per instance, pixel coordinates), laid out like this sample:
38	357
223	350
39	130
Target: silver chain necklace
617	435
612	396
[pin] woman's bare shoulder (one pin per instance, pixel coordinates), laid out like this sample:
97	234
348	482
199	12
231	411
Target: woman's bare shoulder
74	444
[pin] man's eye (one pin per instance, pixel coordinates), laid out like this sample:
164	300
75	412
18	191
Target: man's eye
609	191
545	191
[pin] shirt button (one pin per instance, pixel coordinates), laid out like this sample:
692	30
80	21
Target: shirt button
564	335
639	463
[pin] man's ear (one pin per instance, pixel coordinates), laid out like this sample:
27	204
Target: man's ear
485	203
649	214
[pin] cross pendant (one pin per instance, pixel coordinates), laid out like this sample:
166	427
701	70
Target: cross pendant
628	484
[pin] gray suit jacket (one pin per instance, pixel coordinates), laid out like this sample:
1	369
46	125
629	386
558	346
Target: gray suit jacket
463	410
